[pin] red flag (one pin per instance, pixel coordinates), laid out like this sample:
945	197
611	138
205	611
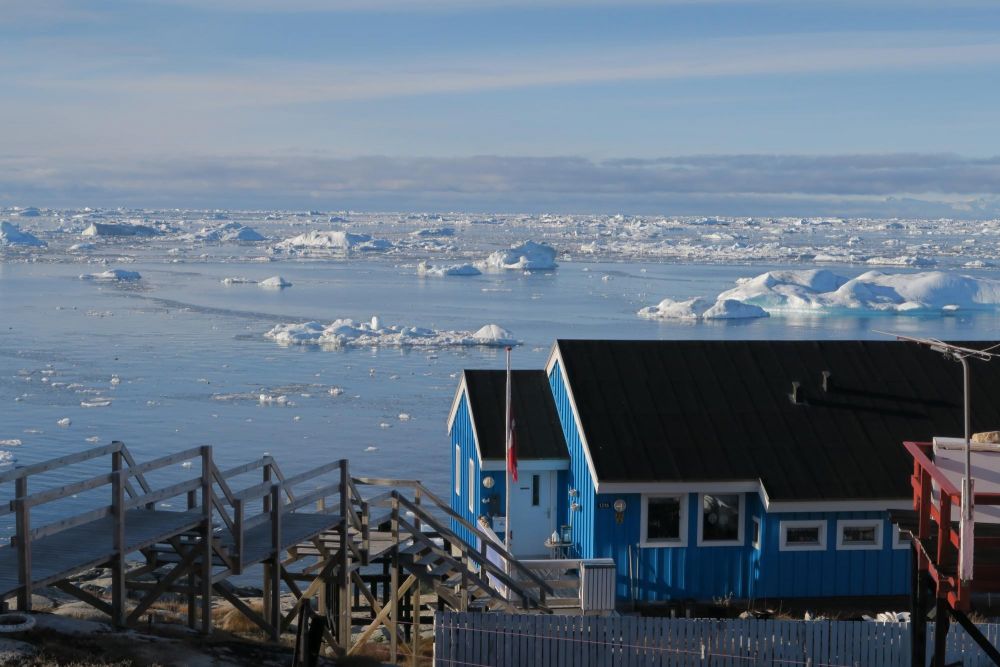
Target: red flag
512	451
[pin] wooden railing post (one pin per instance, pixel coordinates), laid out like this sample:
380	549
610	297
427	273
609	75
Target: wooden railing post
23	522
266	566
343	574
118	541
275	582
238	537
206	555
394	581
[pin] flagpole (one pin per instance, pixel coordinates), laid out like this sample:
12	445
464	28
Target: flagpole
506	536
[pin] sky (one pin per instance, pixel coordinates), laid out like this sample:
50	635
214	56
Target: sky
876	107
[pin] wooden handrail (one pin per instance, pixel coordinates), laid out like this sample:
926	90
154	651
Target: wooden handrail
163	461
49	495
69	459
503	553
916	450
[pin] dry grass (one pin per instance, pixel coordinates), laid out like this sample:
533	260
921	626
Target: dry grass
230	619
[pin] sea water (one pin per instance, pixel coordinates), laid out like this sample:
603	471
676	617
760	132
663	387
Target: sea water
179	359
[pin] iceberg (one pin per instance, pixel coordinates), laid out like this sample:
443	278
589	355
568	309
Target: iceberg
529	255
231	232
337	241
119	229
11	235
275	282
701	309
344	333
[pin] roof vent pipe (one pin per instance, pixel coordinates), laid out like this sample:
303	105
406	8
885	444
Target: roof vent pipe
827	381
796	395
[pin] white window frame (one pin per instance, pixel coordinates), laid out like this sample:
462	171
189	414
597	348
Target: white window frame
741	525
878	524
682	532
897	542
760	533
819	524
472	485
458	470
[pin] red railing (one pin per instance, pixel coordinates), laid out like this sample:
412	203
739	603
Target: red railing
942	564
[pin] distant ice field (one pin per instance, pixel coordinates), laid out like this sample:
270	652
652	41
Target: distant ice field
179	358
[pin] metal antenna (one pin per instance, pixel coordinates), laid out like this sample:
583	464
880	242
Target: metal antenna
967	526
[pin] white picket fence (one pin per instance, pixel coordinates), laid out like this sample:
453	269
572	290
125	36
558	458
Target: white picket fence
506	640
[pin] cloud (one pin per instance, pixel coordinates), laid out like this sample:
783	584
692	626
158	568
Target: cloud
751	184
260	83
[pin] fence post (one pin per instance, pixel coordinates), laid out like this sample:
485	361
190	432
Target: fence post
23	521
206	554
394	581
118	540
275	571
343	574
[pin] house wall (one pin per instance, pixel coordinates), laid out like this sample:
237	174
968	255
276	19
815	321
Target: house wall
461	434
707	572
577	477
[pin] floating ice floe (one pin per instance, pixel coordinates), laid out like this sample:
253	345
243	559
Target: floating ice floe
348	333
701	309
426	269
528	255
238	281
335	241
822	291
6	458
434	232
10	442
64	422
96	403
11	235
112	275
275	282
119	229
81	247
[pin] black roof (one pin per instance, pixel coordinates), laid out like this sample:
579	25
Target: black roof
720	410
536	422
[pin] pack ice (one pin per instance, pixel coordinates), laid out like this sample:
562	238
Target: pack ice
348	333
11	235
702	309
119	229
528	255
230	232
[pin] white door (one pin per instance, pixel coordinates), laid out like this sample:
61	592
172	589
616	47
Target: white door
533	513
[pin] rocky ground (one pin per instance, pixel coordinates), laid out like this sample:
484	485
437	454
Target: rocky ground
69	632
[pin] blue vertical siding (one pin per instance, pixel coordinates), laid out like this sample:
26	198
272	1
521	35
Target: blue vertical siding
577	477
704	573
829	572
461	434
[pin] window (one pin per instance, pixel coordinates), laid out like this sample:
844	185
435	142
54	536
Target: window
663	521
858	534
472	486
535	484
755	533
721	519
458	471
900	540
802	536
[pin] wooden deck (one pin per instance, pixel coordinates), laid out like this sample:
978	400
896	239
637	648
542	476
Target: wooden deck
321	540
89	545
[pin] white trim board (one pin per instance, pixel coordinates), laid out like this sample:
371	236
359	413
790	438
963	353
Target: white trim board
682	532
495	465
822	529
755	486
554	356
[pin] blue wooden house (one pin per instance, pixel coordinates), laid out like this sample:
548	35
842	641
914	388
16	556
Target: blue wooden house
715	469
